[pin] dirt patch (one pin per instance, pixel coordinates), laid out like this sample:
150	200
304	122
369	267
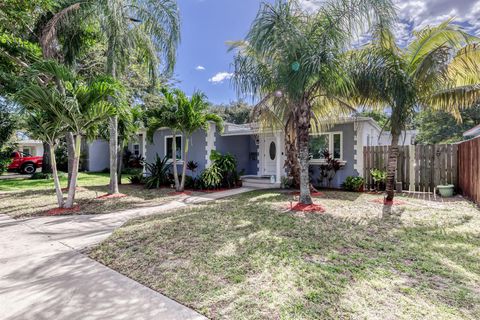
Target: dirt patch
63	211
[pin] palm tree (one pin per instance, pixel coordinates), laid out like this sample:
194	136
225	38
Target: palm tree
182	115
148	28
438	69
77	107
300	60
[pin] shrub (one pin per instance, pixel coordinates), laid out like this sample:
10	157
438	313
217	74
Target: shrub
286	183
379	177
158	173
227	166
192	166
137	178
329	169
5	157
211	177
353	184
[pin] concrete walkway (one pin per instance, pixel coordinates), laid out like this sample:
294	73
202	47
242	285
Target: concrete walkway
44	275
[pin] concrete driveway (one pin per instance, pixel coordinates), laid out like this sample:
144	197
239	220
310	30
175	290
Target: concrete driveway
44	275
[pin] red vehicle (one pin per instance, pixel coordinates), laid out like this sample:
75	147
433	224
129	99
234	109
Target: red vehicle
25	163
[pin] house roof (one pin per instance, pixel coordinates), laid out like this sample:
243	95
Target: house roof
475	131
231	129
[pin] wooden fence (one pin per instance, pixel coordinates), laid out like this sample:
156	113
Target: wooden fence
469	169
419	168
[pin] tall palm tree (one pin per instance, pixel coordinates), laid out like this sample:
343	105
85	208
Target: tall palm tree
300	55
148	28
182	115
438	69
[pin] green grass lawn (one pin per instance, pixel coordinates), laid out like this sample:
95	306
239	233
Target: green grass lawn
26	198
248	258
84	180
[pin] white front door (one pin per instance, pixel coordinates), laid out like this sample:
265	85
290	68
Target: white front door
270	154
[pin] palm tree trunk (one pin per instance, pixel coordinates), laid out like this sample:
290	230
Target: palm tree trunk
392	166
303	137
174	157
70	154
291	161
47	159
113	126
120	161
56	180
184	168
73	182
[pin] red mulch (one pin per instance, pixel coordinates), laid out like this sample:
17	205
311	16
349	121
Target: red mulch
112	196
307	208
182	193
62	211
313	194
388	203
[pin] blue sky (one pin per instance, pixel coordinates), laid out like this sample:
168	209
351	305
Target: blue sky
204	64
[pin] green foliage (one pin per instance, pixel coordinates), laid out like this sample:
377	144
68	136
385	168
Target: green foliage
353	184
380	117
227	166
192	166
158	173
8	123
211	178
137	178
437	127
379	177
5	156
236	112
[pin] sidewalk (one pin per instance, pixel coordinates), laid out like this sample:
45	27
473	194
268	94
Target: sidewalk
43	274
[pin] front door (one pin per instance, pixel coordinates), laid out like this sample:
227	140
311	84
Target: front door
270	154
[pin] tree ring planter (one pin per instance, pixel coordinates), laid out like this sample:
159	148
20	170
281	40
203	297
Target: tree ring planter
446	191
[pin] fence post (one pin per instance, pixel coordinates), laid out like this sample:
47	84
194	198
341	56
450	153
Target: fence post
411	167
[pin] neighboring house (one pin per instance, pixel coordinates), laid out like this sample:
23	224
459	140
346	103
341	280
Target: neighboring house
472	133
27	145
259	153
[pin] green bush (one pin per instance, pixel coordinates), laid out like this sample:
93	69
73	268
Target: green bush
353	184
211	177
41	176
379	177
227	166
137	178
5	157
158	173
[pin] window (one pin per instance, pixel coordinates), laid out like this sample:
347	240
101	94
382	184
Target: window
169	147
27	151
273	151
326	141
136	149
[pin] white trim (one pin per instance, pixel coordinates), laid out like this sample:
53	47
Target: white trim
174	151
210	143
358	149
330	142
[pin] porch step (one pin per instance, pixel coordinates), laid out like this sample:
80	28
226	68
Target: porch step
258	182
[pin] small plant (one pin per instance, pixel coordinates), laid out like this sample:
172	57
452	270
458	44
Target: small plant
211	178
379	177
227	166
192	166
353	184
158	173
328	170
286	183
137	178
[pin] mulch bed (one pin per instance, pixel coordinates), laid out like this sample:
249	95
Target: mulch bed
62	211
112	196
388	203
181	193
313	208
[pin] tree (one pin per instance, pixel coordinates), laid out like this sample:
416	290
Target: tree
182	115
8	123
292	60
149	28
437	127
79	108
438	69
237	112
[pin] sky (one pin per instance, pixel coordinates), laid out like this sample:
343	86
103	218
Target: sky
204	63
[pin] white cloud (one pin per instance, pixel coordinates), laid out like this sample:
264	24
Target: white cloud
416	14
200	68
220	77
